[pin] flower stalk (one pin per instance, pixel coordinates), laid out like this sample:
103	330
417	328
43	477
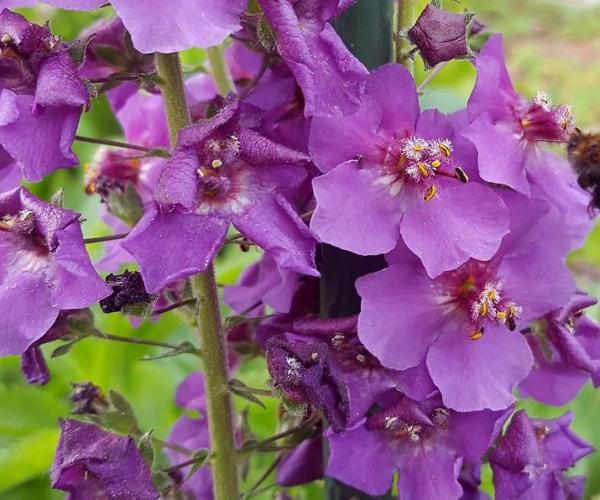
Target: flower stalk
220	70
404	20
220	418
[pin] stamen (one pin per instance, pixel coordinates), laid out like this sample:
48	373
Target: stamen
477	334
6	38
430	193
423	169
461	175
445	148
544	100
217	163
435	163
483	310
501	315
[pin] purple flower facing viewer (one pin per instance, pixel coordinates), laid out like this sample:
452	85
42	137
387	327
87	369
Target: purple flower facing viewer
41	97
393	173
219	174
530	459
505	127
44	268
464	322
93	463
423	440
566	349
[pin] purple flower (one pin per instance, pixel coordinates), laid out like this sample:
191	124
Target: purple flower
440	35
219	174
465	322
530	460
331	78
303	464
71	322
506	127
566	349
44	268
93	463
156	26
391	172
423	440
41	98
306	373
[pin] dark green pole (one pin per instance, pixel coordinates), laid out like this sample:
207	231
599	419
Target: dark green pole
367	31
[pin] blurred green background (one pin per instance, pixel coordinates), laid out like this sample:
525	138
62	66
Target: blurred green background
551	46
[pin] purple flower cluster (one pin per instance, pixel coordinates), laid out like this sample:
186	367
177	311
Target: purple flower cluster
472	218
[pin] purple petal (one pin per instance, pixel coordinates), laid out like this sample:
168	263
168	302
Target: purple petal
259	151
354	212
272	223
174	245
463	221
336	139
179	26
303	464
433	475
190	393
59	84
178	180
478	374
399	318
34	367
502	154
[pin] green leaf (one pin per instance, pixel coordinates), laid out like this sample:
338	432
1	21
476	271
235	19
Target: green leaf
27	457
63	349
147	448
123	418
184	347
201	456
247	396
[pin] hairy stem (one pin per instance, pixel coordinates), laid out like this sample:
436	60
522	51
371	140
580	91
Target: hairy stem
219	70
404	19
102	239
220	417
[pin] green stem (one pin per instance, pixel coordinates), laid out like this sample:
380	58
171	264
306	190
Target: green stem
133	340
220	70
116	144
404	19
220	416
102	239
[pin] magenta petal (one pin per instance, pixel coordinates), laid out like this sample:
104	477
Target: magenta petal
399	318
194	23
272	223
433	475
77	283
478	374
174	245
41	143
336	139
354	212
463	221
28	311
501	154
177	182
393	88
59	84
355	450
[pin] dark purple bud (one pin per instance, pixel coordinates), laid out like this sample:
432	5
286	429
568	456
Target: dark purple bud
128	290
304	464
440	35
476	26
34	367
306	373
87	399
93	463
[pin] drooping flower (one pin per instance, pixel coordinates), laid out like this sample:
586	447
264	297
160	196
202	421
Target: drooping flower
69	323
93	463
44	268
127	291
41	98
194	23
303	464
221	173
306	373
424	440
530	460
566	349
506	128
393	173
331	78
440	35
465	322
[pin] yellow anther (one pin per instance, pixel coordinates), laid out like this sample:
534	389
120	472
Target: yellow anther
435	163
217	163
492	295
423	169
461	175
484	309
525	122
401	162
477	334
445	150
6	38
430	193
501	315
417	147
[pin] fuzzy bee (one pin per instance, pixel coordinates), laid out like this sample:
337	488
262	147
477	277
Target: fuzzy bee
584	155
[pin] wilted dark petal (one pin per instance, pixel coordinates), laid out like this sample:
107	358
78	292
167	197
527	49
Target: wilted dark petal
87	399
93	463
127	289
440	35
307	373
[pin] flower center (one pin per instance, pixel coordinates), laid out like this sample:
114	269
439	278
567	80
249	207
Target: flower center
419	162
492	306
541	121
